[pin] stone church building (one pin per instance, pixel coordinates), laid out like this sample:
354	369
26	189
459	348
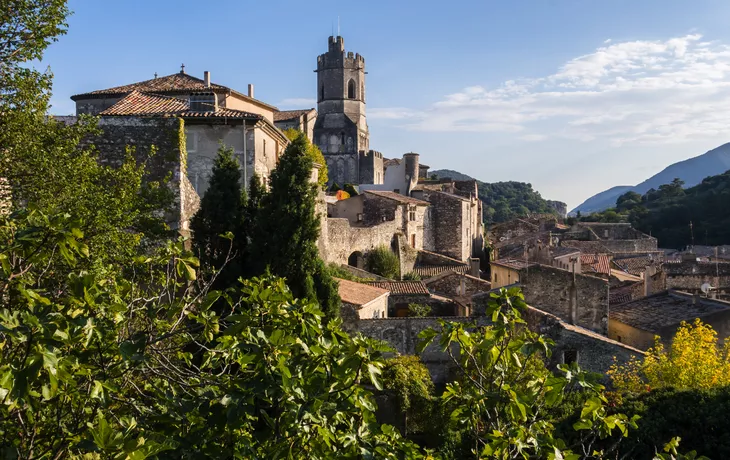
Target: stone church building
341	130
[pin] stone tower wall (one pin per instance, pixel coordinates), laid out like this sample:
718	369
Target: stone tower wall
371	167
341	129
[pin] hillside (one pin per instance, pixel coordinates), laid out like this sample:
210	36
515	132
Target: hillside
667	212
601	201
506	200
691	171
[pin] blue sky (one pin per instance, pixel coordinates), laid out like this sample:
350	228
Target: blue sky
572	96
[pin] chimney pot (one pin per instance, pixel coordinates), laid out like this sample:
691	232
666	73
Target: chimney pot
250	90
206	77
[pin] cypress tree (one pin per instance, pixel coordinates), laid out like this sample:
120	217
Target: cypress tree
285	238
221	211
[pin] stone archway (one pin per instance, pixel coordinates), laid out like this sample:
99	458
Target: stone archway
356	260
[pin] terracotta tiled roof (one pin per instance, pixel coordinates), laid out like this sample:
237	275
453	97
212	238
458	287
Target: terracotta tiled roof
397	197
667	308
390	162
427	271
401	287
138	103
176	82
450	273
515	264
284	115
358	293
595	263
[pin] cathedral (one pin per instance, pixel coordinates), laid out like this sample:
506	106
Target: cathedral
341	129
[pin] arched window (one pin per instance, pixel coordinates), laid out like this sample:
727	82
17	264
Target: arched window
321	92
351	89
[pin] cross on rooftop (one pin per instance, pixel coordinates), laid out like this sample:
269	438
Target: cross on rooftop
182	68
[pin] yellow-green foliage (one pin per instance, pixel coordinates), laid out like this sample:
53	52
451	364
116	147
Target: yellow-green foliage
694	360
182	145
314	152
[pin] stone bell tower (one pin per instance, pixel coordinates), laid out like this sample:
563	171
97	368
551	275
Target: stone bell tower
341	130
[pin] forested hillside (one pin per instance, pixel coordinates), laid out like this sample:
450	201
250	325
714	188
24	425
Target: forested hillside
504	200
675	215
690	171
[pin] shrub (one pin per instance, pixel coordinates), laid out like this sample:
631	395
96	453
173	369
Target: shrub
419	310
410	381
699	417
382	261
349	188
412	276
694	360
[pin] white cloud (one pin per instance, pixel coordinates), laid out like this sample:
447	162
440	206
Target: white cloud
297	103
639	92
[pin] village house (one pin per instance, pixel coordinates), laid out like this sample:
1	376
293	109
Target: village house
300	120
575	298
193	117
405	293
362	301
636	323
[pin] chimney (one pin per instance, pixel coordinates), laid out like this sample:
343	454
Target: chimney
474	263
648	273
206	77
250	90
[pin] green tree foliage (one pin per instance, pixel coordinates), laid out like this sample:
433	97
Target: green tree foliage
504	201
382	261
408	379
115	367
505	395
314	152
44	160
219	227
419	310
350	189
285	235
666	213
698	417
412	276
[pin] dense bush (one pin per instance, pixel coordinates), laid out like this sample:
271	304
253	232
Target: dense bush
699	417
410	382
382	261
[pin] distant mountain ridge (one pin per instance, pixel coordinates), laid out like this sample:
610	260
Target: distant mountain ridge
691	171
506	200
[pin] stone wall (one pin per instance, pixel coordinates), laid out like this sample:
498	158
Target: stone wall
691	275
550	289
629	246
166	135
342	168
449	219
595	352
453	284
342	239
371	167
402	335
511	229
